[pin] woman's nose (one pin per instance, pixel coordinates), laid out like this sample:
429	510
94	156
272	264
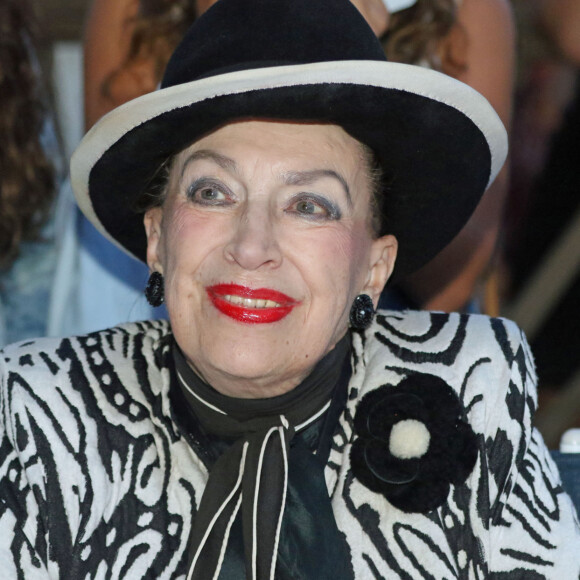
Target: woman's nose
253	244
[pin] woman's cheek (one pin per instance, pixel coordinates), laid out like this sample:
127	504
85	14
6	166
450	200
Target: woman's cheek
348	255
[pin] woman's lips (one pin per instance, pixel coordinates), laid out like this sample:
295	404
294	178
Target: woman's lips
251	305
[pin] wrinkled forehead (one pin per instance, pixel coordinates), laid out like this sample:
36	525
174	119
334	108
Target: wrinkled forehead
283	146
308	133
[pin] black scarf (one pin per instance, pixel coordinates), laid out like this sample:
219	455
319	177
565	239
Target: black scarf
262	492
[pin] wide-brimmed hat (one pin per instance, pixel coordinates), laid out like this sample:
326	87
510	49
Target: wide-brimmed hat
440	142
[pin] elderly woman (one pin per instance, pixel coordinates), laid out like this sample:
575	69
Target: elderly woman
276	428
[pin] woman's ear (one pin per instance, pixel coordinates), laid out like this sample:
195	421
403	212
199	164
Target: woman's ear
152	222
381	264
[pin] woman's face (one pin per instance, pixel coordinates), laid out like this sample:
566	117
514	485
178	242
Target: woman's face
264	242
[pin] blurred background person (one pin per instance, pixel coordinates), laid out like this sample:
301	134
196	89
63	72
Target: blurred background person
29	163
126	46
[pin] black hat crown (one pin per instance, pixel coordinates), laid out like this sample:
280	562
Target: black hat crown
238	35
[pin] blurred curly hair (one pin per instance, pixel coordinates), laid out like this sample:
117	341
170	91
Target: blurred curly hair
26	175
157	30
420	35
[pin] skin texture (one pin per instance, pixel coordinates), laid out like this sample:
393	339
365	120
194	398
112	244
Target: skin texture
249	211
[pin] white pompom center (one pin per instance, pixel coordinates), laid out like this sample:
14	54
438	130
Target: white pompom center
409	439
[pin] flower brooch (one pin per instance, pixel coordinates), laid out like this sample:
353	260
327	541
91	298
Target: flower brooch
413	442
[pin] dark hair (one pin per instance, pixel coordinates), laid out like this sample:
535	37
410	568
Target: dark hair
156	191
26	175
379	190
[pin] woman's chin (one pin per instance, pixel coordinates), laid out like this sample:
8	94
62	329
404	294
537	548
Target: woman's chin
252	366
253	352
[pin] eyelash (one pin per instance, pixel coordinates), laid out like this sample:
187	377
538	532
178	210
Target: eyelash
331	211
207	184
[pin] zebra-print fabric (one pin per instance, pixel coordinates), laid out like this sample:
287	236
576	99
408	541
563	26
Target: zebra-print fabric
96	481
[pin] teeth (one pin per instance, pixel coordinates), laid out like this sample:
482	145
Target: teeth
250	302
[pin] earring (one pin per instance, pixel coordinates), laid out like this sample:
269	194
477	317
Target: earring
154	289
362	312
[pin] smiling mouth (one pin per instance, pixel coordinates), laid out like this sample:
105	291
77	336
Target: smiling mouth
251	305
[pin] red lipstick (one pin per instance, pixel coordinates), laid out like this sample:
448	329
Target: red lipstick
247	313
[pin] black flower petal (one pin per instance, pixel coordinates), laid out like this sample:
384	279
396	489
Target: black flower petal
416	484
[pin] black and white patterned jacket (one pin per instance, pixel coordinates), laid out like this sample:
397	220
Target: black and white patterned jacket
97	482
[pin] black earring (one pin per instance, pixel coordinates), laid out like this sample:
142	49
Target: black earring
362	312
154	289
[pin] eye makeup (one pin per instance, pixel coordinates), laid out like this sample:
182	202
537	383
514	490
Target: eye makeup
222	194
330	210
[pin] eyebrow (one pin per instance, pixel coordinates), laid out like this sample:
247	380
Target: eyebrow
224	162
289	177
309	177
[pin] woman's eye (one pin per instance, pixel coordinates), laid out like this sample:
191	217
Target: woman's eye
208	193
316	207
308	207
